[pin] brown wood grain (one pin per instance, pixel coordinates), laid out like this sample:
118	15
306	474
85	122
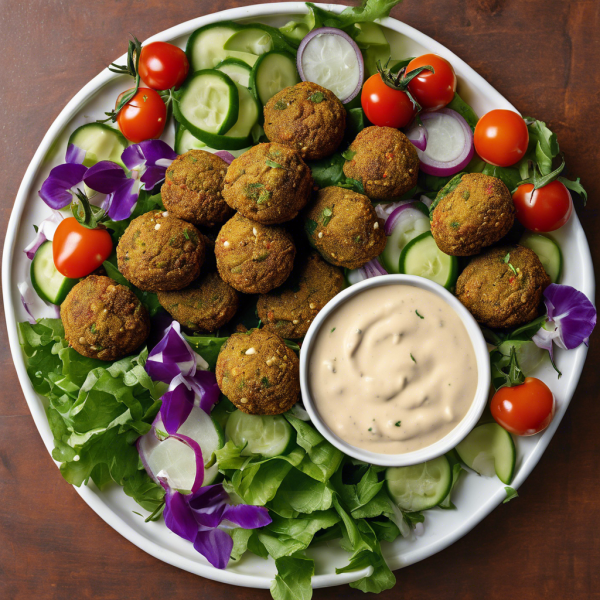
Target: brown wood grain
543	55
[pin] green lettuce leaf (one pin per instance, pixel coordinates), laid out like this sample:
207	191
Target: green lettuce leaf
207	347
293	578
464	110
300	493
367	11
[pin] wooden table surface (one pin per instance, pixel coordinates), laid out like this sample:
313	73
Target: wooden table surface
543	56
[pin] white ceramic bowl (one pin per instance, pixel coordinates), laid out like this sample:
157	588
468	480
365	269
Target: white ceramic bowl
452	438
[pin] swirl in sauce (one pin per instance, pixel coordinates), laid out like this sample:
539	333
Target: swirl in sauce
392	369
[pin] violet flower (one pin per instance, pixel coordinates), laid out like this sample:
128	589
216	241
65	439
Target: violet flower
205	517
146	162
173	357
570	321
58	188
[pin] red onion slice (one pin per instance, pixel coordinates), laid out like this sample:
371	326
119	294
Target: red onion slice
417	134
372	269
449	143
399	213
331	58
226	156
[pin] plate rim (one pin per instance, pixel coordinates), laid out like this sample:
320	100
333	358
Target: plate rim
34	403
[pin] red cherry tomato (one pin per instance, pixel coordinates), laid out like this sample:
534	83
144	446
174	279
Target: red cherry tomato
143	117
524	409
77	250
546	209
432	90
501	137
163	66
385	106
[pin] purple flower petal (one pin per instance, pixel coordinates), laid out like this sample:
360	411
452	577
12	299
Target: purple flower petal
105	176
215	545
75	155
204	384
56	190
45	232
543	339
155	151
153	176
207	496
27	298
179	518
210	516
247	516
172	356
120	204
572	313
133	156
177	403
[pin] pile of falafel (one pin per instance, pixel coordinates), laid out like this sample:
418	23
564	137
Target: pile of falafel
229	230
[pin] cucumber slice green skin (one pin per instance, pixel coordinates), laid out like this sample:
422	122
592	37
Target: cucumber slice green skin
263	435
390	257
190	88
252	38
420	487
185	141
547	250
415	249
49	284
205	48
486	444
237	69
240	135
273	64
88	138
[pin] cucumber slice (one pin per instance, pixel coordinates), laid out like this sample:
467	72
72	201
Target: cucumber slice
260	434
272	73
208	103
487	449
185	141
252	40
548	252
412	222
422	257
100	142
205	47
240	135
49	284
370	34
237	69
420	487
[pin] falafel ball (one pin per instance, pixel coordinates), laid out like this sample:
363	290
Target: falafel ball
270	183
259	373
193	188
206	305
344	227
306	117
384	161
288	311
503	286
160	253
475	213
103	319
254	258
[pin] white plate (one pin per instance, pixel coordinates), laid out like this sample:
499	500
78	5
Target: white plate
475	496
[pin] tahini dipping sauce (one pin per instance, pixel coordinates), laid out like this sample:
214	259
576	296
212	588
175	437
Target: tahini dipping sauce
392	369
